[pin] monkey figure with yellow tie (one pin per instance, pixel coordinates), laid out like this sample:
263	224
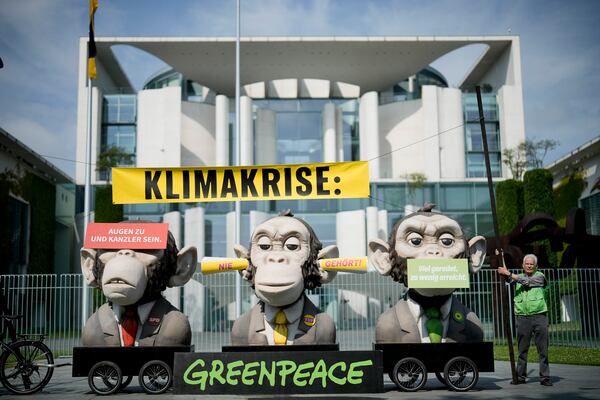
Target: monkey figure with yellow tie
283	262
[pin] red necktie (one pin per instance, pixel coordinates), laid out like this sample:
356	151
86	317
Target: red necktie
129	325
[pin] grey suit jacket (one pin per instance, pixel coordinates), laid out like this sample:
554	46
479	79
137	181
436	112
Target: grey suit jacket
165	326
247	329
397	325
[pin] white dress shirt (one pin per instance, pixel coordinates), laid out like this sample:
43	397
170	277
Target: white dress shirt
419	314
292	313
143	312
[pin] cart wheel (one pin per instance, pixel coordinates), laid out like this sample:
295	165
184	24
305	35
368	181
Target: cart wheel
105	378
126	381
155	377
440	377
461	374
410	374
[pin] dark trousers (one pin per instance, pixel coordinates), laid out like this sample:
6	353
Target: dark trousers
536	325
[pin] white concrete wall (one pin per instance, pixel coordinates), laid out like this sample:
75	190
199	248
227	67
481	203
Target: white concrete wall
401	125
511	119
159	128
315	88
194	229
452	141
222	156
283	88
372	225
382	224
197	134
350	233
431	153
266	137
193	304
339	134
229	235
369	132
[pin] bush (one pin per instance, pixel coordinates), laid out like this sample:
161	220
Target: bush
105	210
509	194
567	193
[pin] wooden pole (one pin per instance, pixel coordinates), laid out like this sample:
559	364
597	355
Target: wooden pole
498	253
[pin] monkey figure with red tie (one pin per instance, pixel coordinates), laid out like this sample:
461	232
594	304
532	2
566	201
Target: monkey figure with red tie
136	313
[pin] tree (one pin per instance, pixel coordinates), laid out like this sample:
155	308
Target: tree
527	155
112	157
414	181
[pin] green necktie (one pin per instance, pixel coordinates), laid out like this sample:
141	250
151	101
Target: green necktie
434	325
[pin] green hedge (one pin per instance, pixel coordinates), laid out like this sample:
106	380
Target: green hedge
509	195
537	192
566	195
41	196
105	210
538	197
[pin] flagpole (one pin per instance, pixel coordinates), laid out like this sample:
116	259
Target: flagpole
238	152
87	194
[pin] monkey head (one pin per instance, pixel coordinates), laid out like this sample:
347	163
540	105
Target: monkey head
129	276
425	234
283	260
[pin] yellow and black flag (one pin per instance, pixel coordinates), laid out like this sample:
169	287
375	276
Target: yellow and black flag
92	42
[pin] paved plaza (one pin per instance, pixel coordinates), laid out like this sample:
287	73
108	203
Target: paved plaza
570	382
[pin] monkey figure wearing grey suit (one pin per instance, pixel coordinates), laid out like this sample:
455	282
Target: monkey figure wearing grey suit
283	262
426	315
132	281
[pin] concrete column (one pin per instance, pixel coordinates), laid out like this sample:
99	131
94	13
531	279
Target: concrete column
431	146
329	135
372	224
229	235
194	229
350	233
369	131
266	137
382	224
246	131
339	133
222	130
257	218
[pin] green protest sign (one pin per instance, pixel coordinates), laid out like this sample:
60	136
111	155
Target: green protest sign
434	273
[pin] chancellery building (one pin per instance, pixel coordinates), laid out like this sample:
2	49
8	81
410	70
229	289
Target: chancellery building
310	100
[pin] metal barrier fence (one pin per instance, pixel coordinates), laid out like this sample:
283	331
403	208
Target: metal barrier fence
52	306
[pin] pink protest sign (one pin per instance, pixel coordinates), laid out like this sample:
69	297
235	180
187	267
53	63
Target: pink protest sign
126	236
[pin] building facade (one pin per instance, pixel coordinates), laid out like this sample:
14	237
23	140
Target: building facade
308	100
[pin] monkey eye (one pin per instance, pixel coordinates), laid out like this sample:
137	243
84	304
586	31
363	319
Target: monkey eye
264	243
292	244
447	240
414	239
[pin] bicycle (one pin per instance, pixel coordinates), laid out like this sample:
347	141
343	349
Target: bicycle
26	363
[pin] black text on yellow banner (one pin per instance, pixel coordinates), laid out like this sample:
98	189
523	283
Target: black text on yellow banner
267	182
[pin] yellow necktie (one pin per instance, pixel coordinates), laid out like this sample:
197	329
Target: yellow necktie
280	332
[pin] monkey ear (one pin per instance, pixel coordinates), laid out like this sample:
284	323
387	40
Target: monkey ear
242	252
477	249
380	256
187	259
88	259
328	252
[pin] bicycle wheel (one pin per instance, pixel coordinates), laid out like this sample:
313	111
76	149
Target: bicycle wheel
27	367
105	378
461	374
410	374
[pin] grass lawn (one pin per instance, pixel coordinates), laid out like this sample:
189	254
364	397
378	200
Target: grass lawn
556	355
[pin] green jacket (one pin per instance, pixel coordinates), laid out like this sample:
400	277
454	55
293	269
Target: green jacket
530	299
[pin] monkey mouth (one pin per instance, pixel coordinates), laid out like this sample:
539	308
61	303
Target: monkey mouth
118	281
275	286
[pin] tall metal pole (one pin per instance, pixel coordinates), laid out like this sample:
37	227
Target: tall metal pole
238	153
87	194
504	291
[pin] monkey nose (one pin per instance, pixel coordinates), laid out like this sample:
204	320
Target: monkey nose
276	258
126	252
433	251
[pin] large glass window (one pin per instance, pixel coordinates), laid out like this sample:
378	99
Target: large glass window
474	138
118	127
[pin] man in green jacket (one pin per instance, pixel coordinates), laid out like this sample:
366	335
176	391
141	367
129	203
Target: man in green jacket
531	310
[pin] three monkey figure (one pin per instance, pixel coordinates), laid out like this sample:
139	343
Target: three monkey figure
283	257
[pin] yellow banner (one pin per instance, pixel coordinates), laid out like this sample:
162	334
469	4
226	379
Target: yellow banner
265	182
358	264
210	265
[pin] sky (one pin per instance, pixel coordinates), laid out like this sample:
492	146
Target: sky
560	52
